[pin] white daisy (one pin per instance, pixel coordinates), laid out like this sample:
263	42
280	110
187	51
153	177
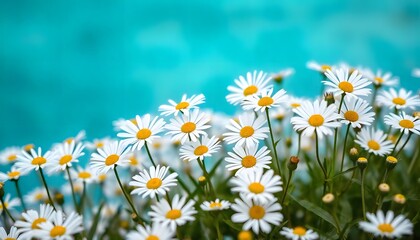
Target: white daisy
156	232
183	106
137	158
374	141
143	131
200	149
318	67
357	112
405	123
36	196
247	131
9	154
188	127
381	78
78	138
31	220
299	233
61	227
215	205
97	143
264	100
153	182
386	225
317	116
13	174
253	84
9	203
399	100
27	162
83	174
248	159
354	85
64	155
112	154
281	75
13	234
295	102
257	215
173	215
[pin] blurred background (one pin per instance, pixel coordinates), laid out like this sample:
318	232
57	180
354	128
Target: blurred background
72	65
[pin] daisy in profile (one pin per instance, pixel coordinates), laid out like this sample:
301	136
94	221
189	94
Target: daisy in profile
82	174
316	117
156	232
112	154
295	102
264	100
189	127
200	149
405	123
374	141
381	78
318	67
144	131
248	131
281	75
9	203
257	186
31	220
215	205
13	234
36	196
341	82
13	174
299	233
399	100
136	160
254	83
32	161
357	112
182	106
256	215
97	143
78	138
248	159
61	226
386	225
153	182
176	214
9	154
64	155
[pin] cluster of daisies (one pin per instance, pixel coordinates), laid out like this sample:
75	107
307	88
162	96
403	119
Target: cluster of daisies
194	173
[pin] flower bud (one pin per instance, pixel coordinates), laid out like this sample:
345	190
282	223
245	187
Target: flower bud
293	163
245	235
328	198
362	162
354	154
391	162
59	198
202	180
384	188
28	147
329	98
399	198
416	114
288	142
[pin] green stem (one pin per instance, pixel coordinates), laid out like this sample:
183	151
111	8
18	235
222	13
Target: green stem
287	187
405	143
272	140
19	193
6	210
344	148
219	234
299	144
46	188
125	194
413	161
72	188
363	193
336	134
396	144
82	199
150	155
203	167
317	155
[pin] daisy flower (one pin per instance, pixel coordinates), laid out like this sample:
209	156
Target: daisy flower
399	100
97	143
31	220
381	78
144	130
183	106
173	215
386	225
82	174
215	205
248	159
317	116
264	100
34	160
257	215
13	234
36	196
78	138
13	174
281	75
247	131
318	67
156	232
112	154
405	123
200	149
64	155
153	182
253	84
340	82
357	112
299	233
294	102
61	227
188	127
136	159
9	203
374	141
9	155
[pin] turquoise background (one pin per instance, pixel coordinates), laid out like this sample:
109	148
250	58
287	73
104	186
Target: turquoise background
72	65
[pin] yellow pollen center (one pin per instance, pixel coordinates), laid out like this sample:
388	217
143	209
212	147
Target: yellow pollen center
99	144
316	120
13	174
265	101
134	121
152	237
12	157
379	80
246	131
133	161
256	212
173	214
398	101
57	231
405	123
9	238
374	145
102	177
111	159
346	87
386	228
249	161
69	140
200	150
351	116
300	231
36	222
85	175
39	196
182	105
39	161
250	90
154	183
215	204
188	127
325	68
256	187
295	105
28	147
65	159
143	133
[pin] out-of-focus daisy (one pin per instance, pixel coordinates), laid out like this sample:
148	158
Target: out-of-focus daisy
13	234
121	122
188	127
77	188
64	155
27	162
31	220
294	102
78	138
144	130
156	232
399	100
257	186
318	67
374	141
416	72
316	117
248	159
175	214
253	84
136	160
183	106
61	227
405	123
356	111
281	75
247	131
112	154
36	196
386	225
9	154
215	205
153	182
9	203
97	143
13	174
299	233
82	174
340	82
264	100
257	215
200	149
381	78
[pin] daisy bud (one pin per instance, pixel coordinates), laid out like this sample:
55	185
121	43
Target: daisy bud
329	98
278	78
384	188
59	198
28	147
202	180
1	190
362	162
245	235
293	162
288	142
391	162
328	198
124	224
136	218
399	198
279	117
354	153
416	114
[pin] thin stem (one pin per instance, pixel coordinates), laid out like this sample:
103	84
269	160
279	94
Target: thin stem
203	167
46	187
299	144
413	161
150	155
317	155
125	193
82	199
272	139
362	172
19	193
72	188
405	143
344	148
287	186
336	134
396	144
219	234
6	210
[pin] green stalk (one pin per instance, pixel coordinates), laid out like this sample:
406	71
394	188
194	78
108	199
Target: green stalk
344	148
150	155
287	187
362	172
7	211
46	188
396	144
405	143
336	134
203	167
317	155
272	140
19	193
299	144
82	199
72	188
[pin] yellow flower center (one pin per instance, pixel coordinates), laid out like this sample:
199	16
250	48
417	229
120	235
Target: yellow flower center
134	121
69	140
245	235
13	174
143	133
173	214
85	175
246	131
200	150
57	231
182	105
325	68
39	161
398	101
265	101
316	120
188	127
36	222
39	196
379	80
346	87
65	159
99	144
154	183
405	123
12	157
256	187
351	116
111	159
374	145
249	161
215	204
386	228
250	90
300	231
28	147
9	238
133	161
152	237
295	105
256	212
102	177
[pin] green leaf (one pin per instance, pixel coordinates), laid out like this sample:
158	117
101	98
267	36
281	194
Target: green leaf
346	171
92	230
347	228
277	142
233	225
